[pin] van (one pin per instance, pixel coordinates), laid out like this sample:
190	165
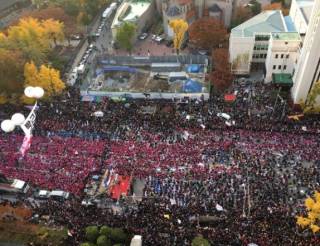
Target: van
59	195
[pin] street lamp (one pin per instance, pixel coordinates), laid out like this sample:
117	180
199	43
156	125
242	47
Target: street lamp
26	124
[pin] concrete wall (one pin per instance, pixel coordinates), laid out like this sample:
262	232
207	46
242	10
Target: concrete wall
297	18
308	68
241	47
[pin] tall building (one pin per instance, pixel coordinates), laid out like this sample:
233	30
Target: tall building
307	71
190	10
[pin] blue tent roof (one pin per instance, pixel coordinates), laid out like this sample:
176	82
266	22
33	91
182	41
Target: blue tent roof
192	86
193	68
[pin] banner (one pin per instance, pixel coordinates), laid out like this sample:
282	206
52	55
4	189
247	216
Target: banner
25	145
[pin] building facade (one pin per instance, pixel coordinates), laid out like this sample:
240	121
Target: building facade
140	13
307	71
190	10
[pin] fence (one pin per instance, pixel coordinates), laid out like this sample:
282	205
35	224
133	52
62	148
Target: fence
148	60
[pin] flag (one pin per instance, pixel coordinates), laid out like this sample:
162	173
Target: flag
25	145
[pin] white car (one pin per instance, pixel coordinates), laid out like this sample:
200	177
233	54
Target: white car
143	36
159	39
43	194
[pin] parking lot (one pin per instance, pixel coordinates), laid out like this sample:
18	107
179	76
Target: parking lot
149	47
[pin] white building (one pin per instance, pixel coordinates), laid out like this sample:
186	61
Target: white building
140	13
308	67
249	42
300	13
282	54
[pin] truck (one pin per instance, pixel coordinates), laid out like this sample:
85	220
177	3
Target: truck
13	186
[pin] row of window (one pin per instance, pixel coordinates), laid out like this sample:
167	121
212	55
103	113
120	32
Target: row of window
261	56
279	67
260	47
262	37
281	56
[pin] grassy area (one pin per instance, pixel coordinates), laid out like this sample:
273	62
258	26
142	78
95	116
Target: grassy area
23	233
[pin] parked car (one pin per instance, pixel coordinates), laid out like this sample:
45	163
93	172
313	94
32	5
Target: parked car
143	36
42	194
159	39
75	37
59	195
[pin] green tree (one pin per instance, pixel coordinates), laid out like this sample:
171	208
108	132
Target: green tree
200	241
125	35
92	233
103	241
105	230
87	244
117	235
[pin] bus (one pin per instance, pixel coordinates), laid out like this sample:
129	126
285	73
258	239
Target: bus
14	186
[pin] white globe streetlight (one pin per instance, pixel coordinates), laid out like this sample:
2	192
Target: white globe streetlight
18	119
7	126
28	91
38	92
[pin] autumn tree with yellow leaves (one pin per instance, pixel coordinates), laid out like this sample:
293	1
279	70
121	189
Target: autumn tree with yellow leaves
179	28
312	220
45	77
29	40
33	38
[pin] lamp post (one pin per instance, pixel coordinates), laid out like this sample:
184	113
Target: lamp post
26	124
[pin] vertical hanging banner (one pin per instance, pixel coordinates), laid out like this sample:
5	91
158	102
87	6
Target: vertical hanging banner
27	128
25	145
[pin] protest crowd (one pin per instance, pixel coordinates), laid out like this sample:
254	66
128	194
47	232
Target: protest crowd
234	184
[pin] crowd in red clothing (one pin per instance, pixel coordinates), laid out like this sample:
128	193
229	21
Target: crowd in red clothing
52	163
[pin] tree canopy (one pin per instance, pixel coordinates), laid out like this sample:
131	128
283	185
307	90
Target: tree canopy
125	34
179	28
312	219
207	33
221	76
200	241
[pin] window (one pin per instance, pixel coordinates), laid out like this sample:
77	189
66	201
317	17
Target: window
265	56
261	55
276	56
281	56
274	67
287	56
279	67
284	67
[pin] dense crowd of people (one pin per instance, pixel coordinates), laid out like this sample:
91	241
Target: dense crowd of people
234	184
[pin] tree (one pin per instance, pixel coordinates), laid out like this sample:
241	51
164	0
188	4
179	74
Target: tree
241	14
312	219
200	241
92	233
103	241
45	77
255	7
11	72
87	244
117	235
55	13
277	6
105	230
221	76
32	37
311	101
207	33
125	35
179	28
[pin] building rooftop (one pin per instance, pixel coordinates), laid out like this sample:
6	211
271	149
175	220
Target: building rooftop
215	8
286	36
306	8
265	22
130	11
173	11
289	23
